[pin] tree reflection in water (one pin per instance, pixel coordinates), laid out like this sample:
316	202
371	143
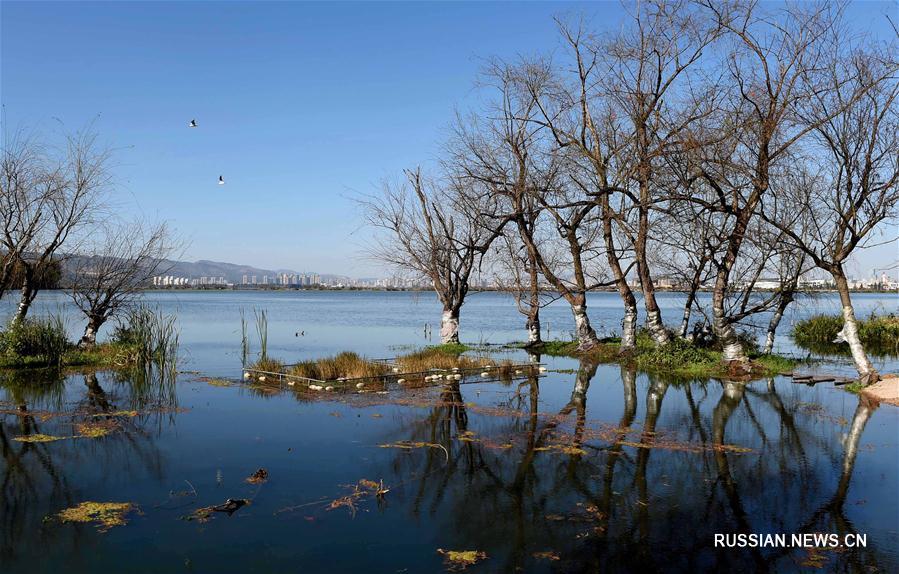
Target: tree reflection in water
647	505
38	477
608	469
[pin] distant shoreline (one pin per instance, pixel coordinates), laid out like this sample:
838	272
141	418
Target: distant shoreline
425	289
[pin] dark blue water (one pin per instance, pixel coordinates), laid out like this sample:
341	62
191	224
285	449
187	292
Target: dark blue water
584	469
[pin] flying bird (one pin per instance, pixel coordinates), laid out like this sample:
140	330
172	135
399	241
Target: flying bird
192	124
221	180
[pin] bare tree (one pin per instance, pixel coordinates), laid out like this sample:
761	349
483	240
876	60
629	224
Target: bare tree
109	276
687	244
517	273
51	201
772	75
579	204
643	72
505	157
428	233
849	186
25	191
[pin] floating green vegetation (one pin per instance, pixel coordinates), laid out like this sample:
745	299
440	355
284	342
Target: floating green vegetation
117	414
105	514
562	449
216	382
879	334
39	438
96	429
456	560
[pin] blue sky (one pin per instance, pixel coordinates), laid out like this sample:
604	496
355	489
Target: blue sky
300	105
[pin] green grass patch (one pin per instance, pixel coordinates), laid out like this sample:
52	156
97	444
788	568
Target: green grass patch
450	348
854	387
679	358
103	355
879	335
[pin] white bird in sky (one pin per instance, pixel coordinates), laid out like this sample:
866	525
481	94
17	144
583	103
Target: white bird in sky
221	180
192	124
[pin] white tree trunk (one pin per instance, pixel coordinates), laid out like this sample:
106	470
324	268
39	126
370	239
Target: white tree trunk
586	336
534	332
89	338
656	328
629	329
449	326
849	333
731	346
25	301
769	342
685	323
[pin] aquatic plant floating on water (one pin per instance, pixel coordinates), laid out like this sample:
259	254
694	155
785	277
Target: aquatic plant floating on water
39	438
546	555
456	560
96	429
105	514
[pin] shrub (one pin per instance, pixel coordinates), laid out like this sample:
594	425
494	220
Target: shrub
36	340
675	355
879	335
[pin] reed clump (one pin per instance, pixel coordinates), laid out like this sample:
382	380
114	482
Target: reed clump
438	358
35	342
268	364
148	338
346	365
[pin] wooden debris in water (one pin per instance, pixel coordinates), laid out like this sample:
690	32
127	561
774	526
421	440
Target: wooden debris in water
546	555
360	490
229	507
257	477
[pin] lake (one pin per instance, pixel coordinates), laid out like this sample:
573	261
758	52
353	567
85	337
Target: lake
580	468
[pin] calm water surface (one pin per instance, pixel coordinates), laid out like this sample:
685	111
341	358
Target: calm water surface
584	469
